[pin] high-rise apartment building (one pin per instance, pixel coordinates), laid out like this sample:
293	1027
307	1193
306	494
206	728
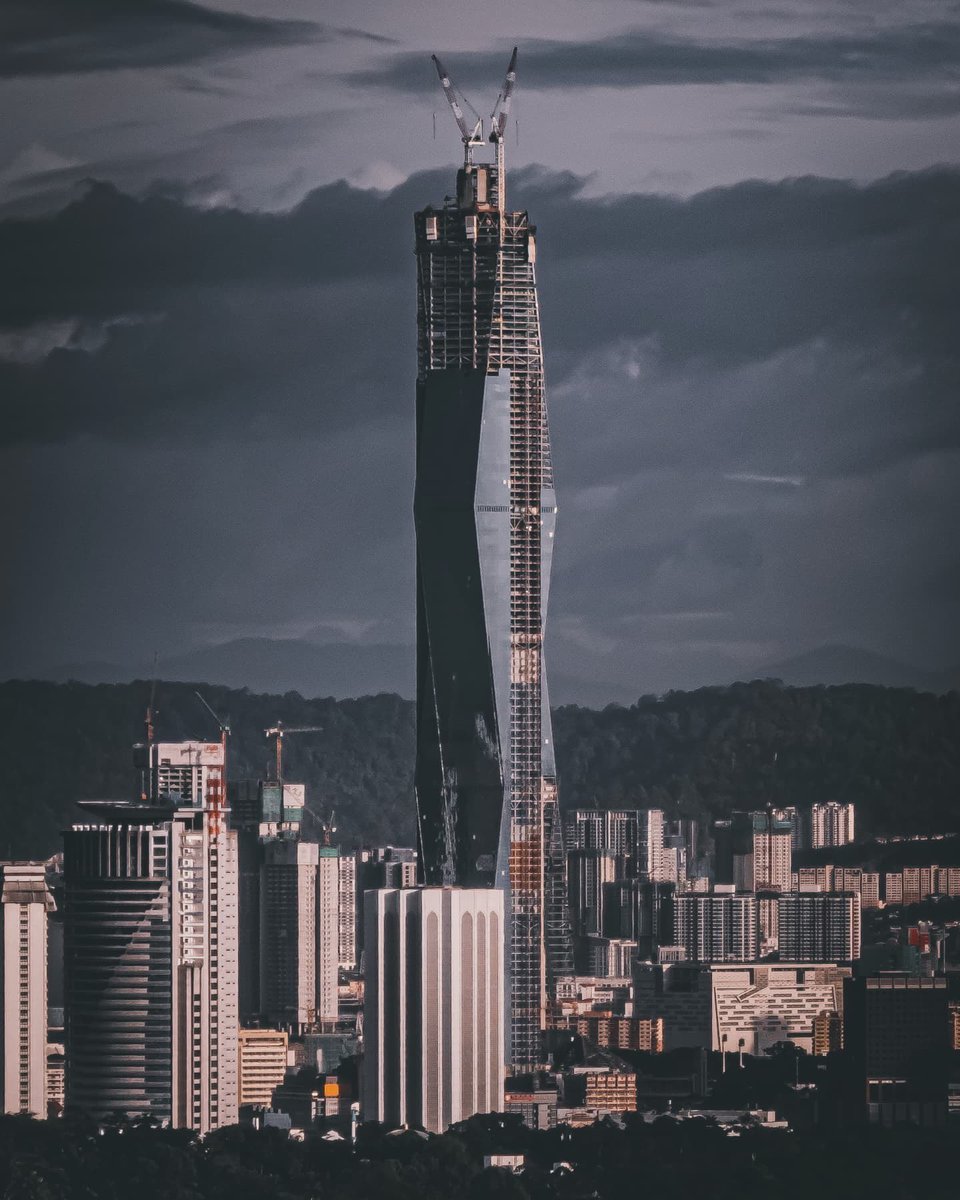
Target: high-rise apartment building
754	851
819	926
484	514
588	871
150	900
433	1005
347	920
260	811
288	932
717	927
328	935
25	902
831	824
636	835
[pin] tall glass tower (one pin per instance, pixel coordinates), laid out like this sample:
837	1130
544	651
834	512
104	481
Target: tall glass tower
485	512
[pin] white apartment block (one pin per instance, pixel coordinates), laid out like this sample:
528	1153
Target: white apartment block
610	958
328	936
716	927
829	878
831	824
434	1043
347	867
772	861
26	901
263	1064
819	926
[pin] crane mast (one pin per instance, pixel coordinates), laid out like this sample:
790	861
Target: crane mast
473	138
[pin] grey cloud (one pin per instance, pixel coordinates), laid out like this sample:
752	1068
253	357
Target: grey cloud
642	57
761	300
155	355
65	37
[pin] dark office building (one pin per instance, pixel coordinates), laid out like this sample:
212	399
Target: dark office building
897	1039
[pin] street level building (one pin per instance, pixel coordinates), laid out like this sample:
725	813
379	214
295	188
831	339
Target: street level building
26	901
263	1064
433	1005
897	1036
719	1006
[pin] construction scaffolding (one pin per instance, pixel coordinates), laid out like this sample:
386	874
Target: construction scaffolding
478	312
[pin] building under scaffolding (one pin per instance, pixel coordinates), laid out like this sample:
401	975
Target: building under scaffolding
485	513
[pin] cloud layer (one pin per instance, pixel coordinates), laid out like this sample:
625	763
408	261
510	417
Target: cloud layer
926	55
66	37
752	399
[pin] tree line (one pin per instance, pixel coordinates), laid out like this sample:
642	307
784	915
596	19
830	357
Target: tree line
894	752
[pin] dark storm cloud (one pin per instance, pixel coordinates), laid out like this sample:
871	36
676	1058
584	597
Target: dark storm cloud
926	53
129	313
65	37
752	397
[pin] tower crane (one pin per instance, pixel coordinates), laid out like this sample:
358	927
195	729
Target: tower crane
501	110
218	785
280	731
469	137
498	118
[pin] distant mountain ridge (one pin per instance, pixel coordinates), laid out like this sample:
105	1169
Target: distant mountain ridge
271	665
350	669
838	664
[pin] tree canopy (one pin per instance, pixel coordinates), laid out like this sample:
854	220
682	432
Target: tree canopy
894	752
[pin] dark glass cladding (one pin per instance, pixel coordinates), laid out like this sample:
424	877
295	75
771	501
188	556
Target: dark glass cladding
458	774
484	514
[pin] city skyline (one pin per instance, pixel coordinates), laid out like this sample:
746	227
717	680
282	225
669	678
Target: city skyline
752	398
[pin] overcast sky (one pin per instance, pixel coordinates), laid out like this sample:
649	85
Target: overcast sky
749	218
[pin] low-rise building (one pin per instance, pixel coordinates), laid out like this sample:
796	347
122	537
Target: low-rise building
727	1006
262	1064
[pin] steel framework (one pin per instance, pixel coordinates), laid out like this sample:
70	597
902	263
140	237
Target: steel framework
479	321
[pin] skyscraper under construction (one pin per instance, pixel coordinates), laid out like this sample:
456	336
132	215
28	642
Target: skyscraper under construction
485	513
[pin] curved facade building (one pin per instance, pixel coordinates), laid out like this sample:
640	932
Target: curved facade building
150	950
118	970
484	513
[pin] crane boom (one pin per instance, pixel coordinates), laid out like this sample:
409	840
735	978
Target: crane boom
279	731
501	110
451	95
469	139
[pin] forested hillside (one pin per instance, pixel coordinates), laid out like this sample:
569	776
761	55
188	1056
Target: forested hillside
894	752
